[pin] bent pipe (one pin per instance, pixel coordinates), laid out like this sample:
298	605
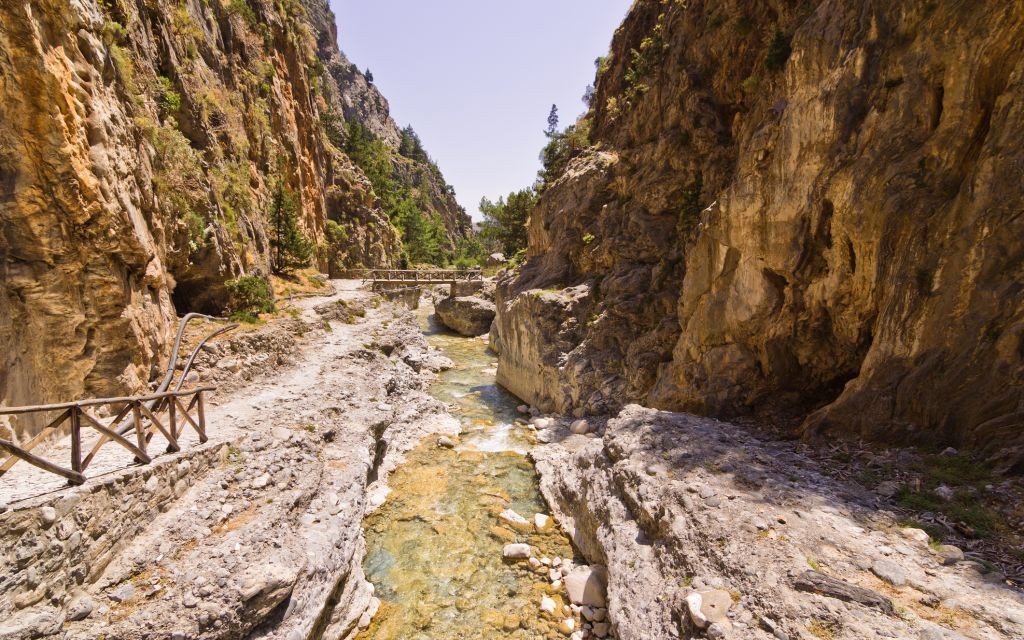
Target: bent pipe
169	375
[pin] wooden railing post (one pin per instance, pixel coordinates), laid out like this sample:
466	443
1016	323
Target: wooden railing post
201	411
76	440
140	435
172	417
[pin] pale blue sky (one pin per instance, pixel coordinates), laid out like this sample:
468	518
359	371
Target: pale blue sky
476	78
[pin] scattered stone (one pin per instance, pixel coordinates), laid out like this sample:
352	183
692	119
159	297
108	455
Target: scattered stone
815	582
567	626
949	452
514	519
930	601
601	629
446	442
890	572
518	551
47	515
541	521
708	606
523	408
915	534
261	482
80	608
123	593
587	585
949	554
944	492
580	427
547	605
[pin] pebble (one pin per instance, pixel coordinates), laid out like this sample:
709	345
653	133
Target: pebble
80	608
944	492
890	572
567	626
517	551
122	593
541	521
547	605
601	629
261	482
48	515
523	408
446	442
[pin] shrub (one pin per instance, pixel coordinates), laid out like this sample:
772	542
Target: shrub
241	8
169	99
249	295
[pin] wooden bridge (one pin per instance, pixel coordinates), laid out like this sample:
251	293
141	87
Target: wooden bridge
417	277
165	412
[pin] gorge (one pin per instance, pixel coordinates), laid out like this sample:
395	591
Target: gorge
751	364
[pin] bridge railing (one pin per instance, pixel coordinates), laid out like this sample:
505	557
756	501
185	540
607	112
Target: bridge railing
168	413
422	275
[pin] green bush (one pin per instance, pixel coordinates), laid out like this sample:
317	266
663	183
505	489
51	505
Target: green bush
169	99
241	8
249	295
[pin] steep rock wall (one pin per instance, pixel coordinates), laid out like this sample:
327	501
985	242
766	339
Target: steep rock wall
141	144
832	238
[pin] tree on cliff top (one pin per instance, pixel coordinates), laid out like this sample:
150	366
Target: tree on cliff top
552	121
505	220
291	248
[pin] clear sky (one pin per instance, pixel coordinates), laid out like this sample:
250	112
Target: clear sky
476	78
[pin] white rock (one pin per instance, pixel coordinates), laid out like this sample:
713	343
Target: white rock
554	574
546	561
915	534
261	482
48	515
541	521
547	605
511	517
587	585
567	626
534	562
693	602
523	408
518	551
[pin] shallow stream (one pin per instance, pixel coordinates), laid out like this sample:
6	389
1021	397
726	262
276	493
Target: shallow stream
434	549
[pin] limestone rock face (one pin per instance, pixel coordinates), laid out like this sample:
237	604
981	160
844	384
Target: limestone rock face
470	316
140	148
831	238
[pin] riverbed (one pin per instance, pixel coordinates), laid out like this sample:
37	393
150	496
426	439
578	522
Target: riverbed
434	549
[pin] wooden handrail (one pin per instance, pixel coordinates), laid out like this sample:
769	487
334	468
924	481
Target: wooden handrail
140	410
10	411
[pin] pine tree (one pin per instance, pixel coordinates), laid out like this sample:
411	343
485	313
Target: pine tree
291	248
553	120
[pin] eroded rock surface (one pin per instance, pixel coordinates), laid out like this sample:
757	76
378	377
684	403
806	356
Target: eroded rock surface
829	236
705	529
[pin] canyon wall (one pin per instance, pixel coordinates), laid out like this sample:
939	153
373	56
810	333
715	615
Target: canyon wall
141	145
805	211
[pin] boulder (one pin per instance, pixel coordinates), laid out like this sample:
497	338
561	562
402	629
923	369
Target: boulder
470	316
587	585
496	260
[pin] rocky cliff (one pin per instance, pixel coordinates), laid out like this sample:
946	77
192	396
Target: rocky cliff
140	146
809	211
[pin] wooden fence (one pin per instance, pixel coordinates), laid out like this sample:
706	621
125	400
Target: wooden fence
165	412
